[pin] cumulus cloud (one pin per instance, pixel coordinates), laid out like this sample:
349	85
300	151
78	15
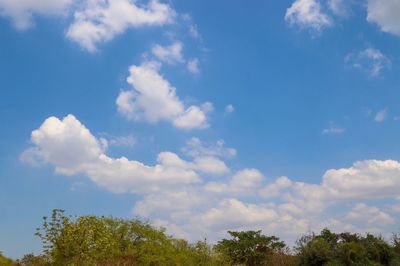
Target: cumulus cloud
209	164
101	20
364	180
22	12
372	215
181	195
308	14
385	13
370	60
232	213
244	182
153	99
72	149
275	189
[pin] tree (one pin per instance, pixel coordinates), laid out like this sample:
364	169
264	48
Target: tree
92	240
5	261
249	248
348	249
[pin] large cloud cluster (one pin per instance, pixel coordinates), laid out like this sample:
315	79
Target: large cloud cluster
204	197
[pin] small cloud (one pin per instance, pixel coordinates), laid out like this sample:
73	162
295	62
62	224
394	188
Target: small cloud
171	54
193	66
370	60
229	109
307	14
333	129
340	7
194	32
117	141
192	28
380	116
195	147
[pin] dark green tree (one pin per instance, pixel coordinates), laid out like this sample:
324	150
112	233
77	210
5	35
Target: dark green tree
249	248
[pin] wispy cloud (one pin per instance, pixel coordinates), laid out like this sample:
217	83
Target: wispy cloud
333	129
307	14
381	115
370	60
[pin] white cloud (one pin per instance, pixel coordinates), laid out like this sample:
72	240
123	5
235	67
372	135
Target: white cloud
339	7
385	13
121	141
370	60
195	148
333	129
372	215
307	14
153	99
364	180
179	194
67	144
209	164
232	213
169	54
101	20
244	182
167	202
193	117
275	189
22	12
193	66
380	116
172	54
72	149
194	32
192	28
229	109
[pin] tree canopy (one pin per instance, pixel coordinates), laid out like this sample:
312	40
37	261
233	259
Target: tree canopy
102	241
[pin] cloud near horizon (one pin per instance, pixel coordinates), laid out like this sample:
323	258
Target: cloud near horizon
221	198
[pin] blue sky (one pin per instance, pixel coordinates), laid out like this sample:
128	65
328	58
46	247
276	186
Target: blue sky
201	116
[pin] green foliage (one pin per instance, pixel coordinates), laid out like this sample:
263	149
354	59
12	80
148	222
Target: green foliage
32	260
348	249
5	261
91	240
249	248
106	241
317	251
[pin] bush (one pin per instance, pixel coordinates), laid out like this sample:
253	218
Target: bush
5	261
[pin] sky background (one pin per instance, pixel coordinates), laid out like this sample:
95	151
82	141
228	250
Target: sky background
202	116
